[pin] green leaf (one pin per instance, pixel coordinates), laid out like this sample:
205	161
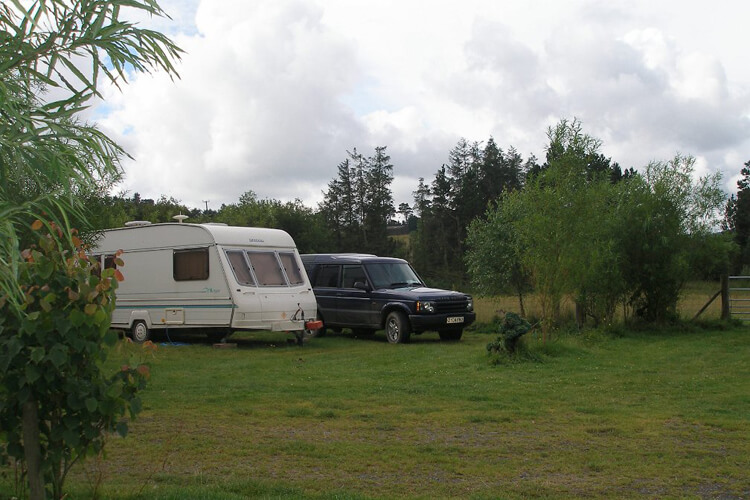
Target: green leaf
58	355
13	346
71	438
31	373
135	406
37	354
110	337
122	428
91	404
74	402
114	390
101	317
77	318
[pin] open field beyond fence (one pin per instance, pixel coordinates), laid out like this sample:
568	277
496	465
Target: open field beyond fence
649	414
694	297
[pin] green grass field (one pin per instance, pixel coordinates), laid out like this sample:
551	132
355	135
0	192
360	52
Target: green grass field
658	415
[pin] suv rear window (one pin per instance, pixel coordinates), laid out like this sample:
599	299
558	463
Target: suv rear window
352	274
328	277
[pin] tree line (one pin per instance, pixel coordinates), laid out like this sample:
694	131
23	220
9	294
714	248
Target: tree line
576	225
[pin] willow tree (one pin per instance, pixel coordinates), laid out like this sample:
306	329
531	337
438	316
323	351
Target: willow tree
54	57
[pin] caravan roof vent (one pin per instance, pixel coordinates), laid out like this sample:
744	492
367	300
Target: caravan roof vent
136	223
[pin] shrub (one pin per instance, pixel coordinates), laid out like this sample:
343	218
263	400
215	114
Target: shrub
56	403
511	328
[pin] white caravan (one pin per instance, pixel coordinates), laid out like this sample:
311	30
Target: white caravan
209	277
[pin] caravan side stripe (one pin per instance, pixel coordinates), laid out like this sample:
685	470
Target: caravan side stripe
178	306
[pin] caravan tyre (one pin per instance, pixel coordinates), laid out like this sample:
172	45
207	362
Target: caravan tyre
140	332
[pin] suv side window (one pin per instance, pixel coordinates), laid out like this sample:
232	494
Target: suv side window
328	277
353	274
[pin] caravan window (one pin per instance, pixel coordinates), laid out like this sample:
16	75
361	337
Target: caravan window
266	268
240	267
190	264
110	262
292	269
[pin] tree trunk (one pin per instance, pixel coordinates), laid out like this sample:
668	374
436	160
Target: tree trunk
580	315
520	304
32	450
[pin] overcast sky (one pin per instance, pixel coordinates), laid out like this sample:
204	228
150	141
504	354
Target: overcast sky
274	92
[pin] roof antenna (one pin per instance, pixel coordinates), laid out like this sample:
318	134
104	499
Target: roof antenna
180	218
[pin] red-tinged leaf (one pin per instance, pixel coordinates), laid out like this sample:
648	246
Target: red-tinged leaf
118	275
124	368
76	241
90	309
144	370
72	295
37	225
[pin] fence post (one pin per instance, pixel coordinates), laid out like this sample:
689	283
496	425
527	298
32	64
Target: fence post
725	313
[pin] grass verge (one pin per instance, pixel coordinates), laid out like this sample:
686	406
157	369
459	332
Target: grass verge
640	414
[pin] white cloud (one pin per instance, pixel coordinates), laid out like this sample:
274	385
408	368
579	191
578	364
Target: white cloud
274	92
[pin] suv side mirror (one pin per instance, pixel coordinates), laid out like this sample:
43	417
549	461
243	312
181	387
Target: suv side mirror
361	285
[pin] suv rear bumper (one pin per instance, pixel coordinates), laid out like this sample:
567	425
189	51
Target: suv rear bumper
436	322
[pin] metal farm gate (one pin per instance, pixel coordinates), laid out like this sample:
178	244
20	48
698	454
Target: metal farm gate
738	289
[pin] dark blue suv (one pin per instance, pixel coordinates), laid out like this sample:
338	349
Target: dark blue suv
368	293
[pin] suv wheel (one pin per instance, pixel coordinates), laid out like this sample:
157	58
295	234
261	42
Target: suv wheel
397	328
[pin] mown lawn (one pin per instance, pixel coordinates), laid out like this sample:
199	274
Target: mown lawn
658	415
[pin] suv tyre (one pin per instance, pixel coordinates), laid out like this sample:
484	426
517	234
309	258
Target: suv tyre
397	328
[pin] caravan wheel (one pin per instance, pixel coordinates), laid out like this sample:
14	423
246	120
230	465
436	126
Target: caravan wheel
140	332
